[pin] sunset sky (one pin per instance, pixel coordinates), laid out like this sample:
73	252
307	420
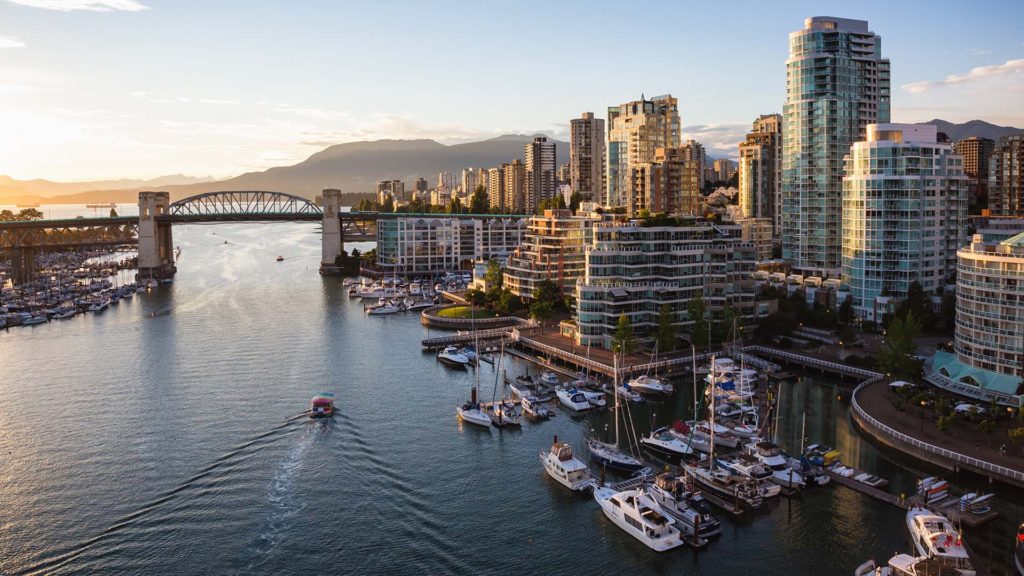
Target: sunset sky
140	88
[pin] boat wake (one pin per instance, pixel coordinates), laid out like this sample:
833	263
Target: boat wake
281	497
220	465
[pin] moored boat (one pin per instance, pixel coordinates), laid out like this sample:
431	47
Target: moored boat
565	468
650	385
935	537
451	356
612	457
640	516
573	399
666	445
690	514
534	407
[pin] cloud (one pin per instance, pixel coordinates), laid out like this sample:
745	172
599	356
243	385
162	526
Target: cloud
90	5
217	101
980	51
719	140
11	42
1010	67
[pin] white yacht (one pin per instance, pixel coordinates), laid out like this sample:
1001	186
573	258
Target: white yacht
749	467
679	503
383	308
99	306
596	399
573	399
723	435
907	565
771	456
64	313
935	537
550	378
561	465
451	356
726	485
666	445
534	407
650	385
640	517
626	394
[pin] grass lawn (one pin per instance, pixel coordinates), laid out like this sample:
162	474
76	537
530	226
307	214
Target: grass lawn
464	312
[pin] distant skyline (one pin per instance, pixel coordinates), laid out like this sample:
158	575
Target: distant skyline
93	89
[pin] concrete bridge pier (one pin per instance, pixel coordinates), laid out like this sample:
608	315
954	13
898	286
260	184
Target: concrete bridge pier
331	239
156	245
23	261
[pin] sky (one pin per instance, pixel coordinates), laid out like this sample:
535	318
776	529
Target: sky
93	89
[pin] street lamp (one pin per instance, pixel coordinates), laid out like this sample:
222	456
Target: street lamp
923	404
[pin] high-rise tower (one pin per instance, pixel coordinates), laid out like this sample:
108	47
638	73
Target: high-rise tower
836	84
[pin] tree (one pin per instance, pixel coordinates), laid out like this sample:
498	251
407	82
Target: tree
389	204
846	312
27	214
479	203
949	311
455	207
574	201
623	341
696	310
541	311
720	330
547	291
6	216
476	297
543	205
558	202
667	330
113	213
494	275
896	357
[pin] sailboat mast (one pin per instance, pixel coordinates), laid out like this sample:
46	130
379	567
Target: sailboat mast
615	391
714	383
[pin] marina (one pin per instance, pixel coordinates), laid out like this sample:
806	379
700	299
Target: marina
315	466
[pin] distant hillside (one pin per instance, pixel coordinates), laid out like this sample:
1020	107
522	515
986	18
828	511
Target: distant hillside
352	167
978	128
44	188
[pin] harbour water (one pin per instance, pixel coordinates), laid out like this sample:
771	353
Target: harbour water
171	445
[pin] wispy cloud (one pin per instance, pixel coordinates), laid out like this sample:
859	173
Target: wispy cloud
90	5
980	51
11	42
719	140
1010	67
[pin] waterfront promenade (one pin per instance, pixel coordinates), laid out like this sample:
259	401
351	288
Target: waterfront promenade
914	433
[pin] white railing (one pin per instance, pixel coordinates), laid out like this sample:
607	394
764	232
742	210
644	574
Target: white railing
1016	475
812	361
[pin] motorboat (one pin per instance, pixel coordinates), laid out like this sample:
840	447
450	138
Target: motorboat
414	305
723	435
650	385
934	536
932	489
690	513
65	313
381	309
747	466
820	455
33	320
99	305
352	292
451	356
625	393
734	410
534	407
550	379
470	353
596	399
641	517
769	454
666	445
322	405
907	565
611	457
684	433
565	468
280	258
573	399
505	414
725	484
473	413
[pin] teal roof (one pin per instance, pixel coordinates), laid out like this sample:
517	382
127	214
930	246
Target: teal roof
949	366
1015	241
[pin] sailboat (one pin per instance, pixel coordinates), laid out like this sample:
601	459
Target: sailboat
502	413
471	412
609	455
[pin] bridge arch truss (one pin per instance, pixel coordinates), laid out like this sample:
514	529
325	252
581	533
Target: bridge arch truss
245	205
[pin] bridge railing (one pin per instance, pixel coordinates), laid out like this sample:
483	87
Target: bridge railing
931	448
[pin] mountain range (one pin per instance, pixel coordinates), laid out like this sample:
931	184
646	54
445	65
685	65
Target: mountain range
354	168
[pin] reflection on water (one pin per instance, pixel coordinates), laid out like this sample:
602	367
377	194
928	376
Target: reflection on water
131	444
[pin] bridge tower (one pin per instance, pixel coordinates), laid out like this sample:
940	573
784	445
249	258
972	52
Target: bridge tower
156	255
24	261
331	239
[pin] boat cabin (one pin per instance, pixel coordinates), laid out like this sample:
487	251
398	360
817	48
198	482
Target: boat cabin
322	406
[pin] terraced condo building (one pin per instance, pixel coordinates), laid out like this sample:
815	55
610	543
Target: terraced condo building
634	269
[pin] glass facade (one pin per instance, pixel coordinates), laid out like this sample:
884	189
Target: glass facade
836	84
903	218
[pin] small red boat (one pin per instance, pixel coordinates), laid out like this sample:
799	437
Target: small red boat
322	406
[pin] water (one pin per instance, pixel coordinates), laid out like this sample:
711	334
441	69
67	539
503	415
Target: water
169	445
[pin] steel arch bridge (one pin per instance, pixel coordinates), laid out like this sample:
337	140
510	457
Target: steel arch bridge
241	205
